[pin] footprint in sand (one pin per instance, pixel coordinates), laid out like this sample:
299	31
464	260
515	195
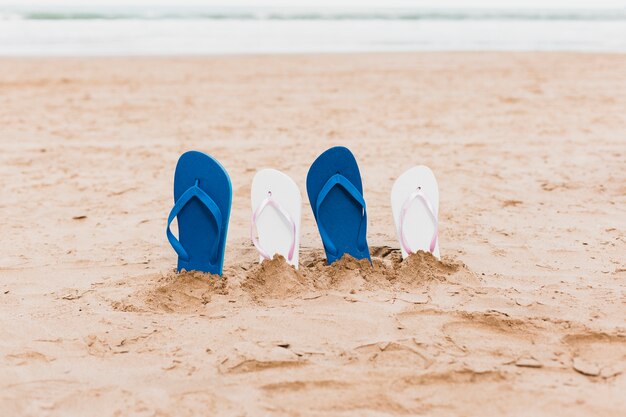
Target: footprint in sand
363	397
28	358
254	357
598	354
401	353
490	334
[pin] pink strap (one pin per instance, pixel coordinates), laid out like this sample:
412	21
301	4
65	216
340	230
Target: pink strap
405	208
269	201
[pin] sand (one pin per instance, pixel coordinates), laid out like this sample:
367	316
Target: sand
525	315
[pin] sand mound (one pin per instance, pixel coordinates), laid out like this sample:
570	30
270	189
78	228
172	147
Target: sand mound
275	278
190	292
422	267
185	292
349	274
387	271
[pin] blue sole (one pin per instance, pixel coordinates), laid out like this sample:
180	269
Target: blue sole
339	213
197	228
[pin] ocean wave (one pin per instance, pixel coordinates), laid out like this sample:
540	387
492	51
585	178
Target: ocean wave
575	15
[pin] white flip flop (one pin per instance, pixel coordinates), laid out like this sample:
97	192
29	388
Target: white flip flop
276	211
415	206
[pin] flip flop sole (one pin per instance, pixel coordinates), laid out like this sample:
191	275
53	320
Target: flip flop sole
418	225
274	233
197	227
340	214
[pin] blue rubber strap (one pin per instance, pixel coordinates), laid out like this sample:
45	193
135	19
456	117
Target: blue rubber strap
204	198
345	183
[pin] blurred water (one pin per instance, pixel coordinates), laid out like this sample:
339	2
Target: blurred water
129	35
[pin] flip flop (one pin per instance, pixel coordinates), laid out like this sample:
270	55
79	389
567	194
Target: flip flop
415	206
276	211
336	196
202	195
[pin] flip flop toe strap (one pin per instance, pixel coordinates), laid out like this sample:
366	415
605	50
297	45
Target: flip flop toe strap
343	182
415	195
194	192
270	201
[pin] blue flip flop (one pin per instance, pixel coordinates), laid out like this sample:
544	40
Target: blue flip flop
203	196
336	196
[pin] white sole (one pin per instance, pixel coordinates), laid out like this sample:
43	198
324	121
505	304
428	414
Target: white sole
274	233
418	225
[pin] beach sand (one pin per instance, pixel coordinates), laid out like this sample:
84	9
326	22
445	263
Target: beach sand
525	315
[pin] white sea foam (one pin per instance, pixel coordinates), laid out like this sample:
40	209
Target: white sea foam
172	31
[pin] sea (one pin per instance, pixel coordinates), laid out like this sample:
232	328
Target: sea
114	31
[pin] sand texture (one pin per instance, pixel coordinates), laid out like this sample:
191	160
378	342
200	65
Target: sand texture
524	316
